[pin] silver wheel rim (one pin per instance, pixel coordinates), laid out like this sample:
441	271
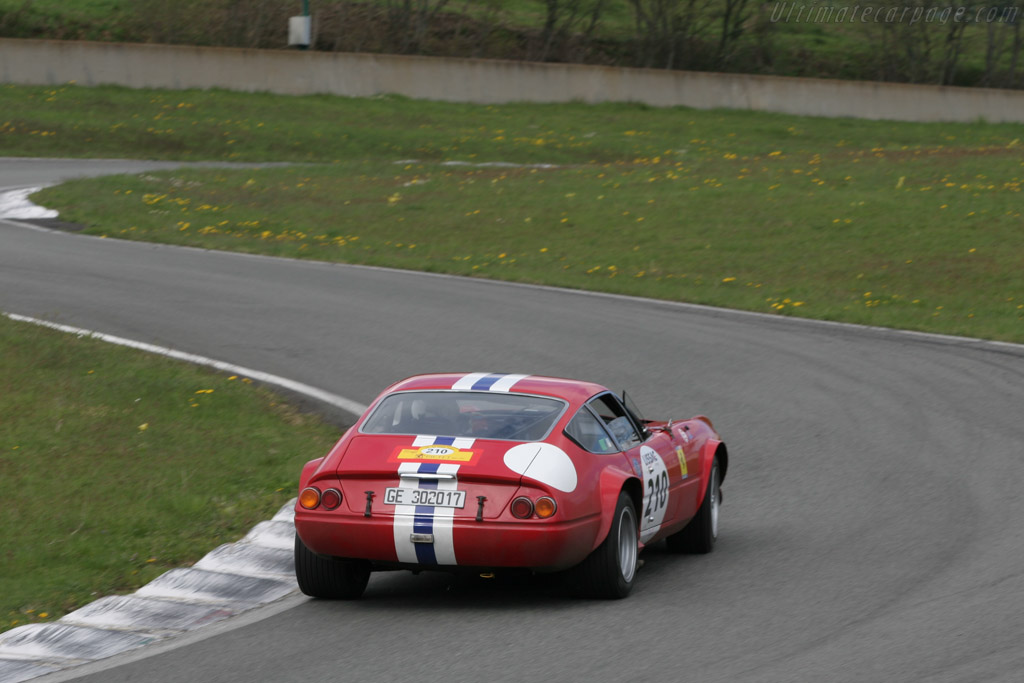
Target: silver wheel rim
715	498
627	544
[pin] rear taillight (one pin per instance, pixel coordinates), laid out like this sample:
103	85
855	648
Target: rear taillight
310	497
330	499
522	508
545	507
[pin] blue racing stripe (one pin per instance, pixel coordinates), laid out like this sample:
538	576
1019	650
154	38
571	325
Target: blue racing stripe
485	383
444	441
424	525
424	522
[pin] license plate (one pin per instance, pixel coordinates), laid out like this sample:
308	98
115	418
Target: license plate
429	497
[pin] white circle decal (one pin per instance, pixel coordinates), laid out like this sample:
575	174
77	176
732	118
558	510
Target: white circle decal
518	458
544	462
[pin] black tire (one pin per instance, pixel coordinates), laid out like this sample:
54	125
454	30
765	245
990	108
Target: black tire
327	577
700	534
610	571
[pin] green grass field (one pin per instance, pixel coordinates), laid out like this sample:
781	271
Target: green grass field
116	465
915	226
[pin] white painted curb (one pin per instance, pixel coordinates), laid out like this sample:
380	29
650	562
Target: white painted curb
14	203
229	580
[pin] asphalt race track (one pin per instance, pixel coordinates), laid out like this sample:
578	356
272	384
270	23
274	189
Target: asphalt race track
873	523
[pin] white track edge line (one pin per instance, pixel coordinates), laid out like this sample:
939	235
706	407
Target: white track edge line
341	402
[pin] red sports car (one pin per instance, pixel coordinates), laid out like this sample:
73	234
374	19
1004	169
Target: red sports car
486	471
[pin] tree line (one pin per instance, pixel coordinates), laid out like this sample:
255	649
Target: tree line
976	42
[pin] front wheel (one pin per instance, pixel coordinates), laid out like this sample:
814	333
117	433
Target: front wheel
610	571
328	577
700	534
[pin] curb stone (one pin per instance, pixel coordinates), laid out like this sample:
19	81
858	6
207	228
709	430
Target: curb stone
229	580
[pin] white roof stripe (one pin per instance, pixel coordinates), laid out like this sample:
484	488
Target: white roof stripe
431	440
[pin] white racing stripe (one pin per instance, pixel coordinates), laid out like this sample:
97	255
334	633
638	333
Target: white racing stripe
444	520
405	515
506	382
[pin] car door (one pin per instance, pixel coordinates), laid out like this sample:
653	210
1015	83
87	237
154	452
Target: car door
654	459
688	489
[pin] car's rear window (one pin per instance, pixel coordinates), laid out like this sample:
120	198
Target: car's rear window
472	414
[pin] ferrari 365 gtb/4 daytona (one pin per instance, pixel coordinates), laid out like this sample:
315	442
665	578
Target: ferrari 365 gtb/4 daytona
487	471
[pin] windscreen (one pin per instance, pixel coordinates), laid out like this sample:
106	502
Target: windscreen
471	414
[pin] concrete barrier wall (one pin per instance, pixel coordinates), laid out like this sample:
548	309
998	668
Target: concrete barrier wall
42	62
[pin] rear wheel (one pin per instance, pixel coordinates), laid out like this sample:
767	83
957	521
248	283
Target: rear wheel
610	571
327	577
700	534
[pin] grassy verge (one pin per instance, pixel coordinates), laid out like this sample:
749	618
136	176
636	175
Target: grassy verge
99	122
904	225
105	451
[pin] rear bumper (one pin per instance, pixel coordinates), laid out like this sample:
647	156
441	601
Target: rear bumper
533	544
